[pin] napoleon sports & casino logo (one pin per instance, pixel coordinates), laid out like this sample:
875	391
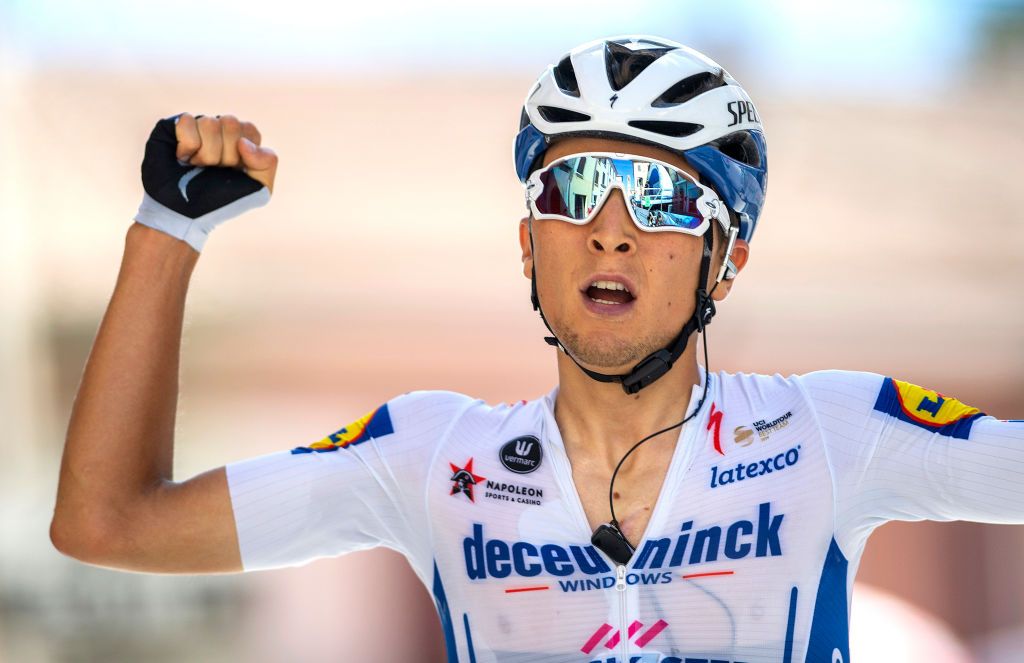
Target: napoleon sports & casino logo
579	568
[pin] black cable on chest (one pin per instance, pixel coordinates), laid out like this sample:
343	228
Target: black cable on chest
608	538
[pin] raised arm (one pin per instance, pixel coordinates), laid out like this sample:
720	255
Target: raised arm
117	503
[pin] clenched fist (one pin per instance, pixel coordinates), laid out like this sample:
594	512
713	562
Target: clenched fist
201	171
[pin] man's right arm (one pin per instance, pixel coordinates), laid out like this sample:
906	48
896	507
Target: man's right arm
117	503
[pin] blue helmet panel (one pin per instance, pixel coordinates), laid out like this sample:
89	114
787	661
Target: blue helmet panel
741	186
529	145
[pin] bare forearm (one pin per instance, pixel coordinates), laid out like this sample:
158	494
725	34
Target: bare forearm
121	434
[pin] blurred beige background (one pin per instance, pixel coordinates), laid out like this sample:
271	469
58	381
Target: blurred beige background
891	242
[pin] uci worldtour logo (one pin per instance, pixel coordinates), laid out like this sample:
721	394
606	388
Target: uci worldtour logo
744	436
521	455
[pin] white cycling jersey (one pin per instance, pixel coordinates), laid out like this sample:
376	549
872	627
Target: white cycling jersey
751	548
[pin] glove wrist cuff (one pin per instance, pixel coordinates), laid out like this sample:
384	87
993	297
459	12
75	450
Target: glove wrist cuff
195	231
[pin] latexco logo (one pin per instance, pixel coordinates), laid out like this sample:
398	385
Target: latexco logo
742	471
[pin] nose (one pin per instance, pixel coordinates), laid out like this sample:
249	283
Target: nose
612	230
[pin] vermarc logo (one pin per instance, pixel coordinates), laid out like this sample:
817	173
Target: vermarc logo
521	455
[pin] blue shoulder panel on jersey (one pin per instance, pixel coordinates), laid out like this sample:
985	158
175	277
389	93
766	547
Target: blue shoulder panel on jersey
830	627
373	424
926	409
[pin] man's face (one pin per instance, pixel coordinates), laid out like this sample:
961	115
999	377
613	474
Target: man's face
660	270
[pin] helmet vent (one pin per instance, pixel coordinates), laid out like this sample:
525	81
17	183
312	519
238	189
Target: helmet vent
553	114
672	129
739	146
690	87
623	64
565	77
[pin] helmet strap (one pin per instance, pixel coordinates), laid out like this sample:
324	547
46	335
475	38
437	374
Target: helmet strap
657	363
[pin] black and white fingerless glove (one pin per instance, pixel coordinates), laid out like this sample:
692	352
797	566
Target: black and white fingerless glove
187	201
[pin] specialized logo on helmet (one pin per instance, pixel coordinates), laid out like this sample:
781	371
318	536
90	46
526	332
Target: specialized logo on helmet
926	409
742	111
371	425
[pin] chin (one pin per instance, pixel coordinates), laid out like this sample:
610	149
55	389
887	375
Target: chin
606	352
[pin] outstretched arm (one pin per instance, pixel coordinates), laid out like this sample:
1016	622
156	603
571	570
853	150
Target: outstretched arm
901	452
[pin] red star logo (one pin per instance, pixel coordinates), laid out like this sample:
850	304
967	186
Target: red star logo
463	479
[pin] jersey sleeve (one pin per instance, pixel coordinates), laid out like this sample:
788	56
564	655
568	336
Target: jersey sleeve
359	487
901	452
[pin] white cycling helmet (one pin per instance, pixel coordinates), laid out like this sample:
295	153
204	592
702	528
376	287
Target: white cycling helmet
652	90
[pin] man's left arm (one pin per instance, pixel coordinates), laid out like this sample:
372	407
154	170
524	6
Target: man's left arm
901	452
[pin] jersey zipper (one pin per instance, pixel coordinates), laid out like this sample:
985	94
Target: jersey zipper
620	590
683	457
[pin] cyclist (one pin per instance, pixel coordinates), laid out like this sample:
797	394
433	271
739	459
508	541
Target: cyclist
643	510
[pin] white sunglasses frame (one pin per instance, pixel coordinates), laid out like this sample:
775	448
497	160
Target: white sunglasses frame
708	199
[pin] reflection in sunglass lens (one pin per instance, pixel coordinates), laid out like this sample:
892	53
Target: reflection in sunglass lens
659	196
665	197
553	197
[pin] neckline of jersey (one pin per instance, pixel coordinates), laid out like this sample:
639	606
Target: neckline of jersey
683	456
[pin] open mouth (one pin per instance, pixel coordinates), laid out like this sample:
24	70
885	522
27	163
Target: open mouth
609	292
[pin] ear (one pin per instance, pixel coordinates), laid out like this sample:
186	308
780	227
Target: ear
524	243
740	255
